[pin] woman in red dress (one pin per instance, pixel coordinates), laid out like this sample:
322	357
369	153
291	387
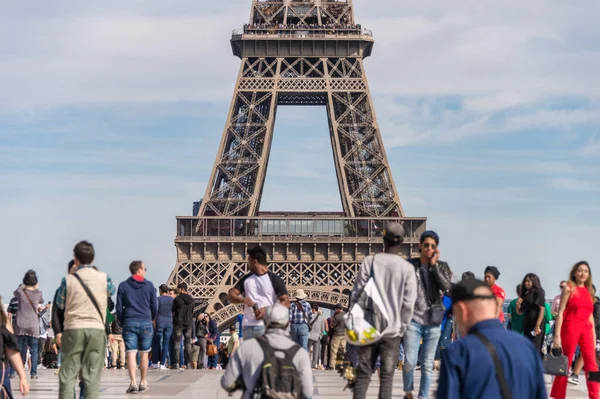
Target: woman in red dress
575	326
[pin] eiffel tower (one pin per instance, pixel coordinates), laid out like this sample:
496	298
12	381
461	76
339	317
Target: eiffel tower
307	53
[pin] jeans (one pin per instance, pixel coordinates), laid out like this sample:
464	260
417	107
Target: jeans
25	342
445	338
412	339
6	380
401	353
41	351
160	346
186	332
387	349
202	361
300	334
138	336
213	361
250	332
316	351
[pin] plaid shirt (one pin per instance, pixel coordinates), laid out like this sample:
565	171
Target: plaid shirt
297	315
61	294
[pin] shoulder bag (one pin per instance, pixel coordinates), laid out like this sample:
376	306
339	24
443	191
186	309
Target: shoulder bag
437	310
35	309
504	388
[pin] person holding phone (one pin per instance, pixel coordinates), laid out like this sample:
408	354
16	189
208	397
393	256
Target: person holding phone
531	304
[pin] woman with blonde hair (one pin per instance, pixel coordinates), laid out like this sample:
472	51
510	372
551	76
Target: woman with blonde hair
575	326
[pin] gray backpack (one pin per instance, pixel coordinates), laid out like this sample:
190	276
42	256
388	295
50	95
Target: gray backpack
279	378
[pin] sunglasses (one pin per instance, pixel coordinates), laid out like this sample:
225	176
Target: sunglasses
428	245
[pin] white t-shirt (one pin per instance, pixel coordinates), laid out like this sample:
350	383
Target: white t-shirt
264	290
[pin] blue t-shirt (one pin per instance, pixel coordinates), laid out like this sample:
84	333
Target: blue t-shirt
165	310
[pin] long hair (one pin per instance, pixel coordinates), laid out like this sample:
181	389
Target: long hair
535	283
3	315
588	283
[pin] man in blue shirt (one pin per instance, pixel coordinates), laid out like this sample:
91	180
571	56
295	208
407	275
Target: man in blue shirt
468	369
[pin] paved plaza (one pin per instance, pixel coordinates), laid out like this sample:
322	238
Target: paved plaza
205	384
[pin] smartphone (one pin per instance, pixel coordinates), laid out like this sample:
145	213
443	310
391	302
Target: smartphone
533	333
594	376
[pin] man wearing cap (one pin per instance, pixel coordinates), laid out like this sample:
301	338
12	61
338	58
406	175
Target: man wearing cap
433	279
491	274
489	362
247	360
300	317
397	284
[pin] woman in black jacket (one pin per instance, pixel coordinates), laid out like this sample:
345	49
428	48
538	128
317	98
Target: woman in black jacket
532	304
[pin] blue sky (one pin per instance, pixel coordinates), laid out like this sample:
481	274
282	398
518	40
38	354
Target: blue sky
111	114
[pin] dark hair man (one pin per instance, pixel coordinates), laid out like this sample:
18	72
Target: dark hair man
257	290
183	317
433	277
83	336
397	284
137	307
467	276
468	369
163	329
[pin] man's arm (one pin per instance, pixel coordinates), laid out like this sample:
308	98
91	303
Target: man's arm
409	298
362	277
443	276
280	290
236	294
449	385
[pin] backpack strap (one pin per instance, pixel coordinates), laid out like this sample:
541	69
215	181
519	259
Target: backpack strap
89	294
504	388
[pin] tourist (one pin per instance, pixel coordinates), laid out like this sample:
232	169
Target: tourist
183	317
531	305
574	377
338	338
27	327
300	316
468	367
257	290
163	329
575	326
201	335
433	278
247	361
515	322
556	300
82	300
491	274
397	284
212	338
234	341
317	330
117	346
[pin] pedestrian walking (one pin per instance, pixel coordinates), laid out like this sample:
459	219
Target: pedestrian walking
300	317
433	279
491	274
81	303
214	339
201	336
117	346
338	338
489	362
317	329
163	329
575	326
257	290
9	355
137	307
183	317
27	326
396	282
532	306
515	322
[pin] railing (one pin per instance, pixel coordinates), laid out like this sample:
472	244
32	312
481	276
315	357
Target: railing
293	227
302	32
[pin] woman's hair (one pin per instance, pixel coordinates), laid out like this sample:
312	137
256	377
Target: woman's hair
30	279
535	283
3	315
588	283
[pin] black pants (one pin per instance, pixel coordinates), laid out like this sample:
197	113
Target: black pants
388	349
186	332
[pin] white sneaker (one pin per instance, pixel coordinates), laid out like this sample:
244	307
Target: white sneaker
163	367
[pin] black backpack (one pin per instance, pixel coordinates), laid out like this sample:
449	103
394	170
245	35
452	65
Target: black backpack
278	378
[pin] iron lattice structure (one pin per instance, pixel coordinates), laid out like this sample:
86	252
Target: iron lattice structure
293	53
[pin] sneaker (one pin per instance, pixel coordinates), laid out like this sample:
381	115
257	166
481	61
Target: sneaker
143	388
163	367
154	367
132	390
408	396
573	379
34	377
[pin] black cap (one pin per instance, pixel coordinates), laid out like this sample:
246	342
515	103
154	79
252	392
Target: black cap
465	291
394	232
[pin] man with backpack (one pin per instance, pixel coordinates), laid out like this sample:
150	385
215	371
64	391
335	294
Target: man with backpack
395	280
290	374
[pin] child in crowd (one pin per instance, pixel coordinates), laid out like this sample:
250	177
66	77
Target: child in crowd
9	353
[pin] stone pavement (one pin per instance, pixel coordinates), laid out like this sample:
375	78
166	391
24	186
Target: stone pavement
205	384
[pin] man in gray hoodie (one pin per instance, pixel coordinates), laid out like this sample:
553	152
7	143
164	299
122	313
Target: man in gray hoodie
247	360
397	284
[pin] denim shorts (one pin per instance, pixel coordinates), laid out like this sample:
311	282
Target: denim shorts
138	336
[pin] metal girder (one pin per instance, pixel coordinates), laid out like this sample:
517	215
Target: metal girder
320	12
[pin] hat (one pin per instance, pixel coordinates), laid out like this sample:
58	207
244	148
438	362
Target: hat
430	234
300	294
465	291
277	316
338	306
394	232
493	270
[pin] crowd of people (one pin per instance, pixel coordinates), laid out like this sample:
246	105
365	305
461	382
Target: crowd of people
422	320
331	29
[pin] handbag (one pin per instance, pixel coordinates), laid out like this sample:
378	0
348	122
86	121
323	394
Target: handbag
556	363
367	318
211	349
504	388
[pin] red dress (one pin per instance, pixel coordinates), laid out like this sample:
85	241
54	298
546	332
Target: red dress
499	293
578	330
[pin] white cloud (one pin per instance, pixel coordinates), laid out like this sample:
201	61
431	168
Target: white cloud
563	183
592	148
